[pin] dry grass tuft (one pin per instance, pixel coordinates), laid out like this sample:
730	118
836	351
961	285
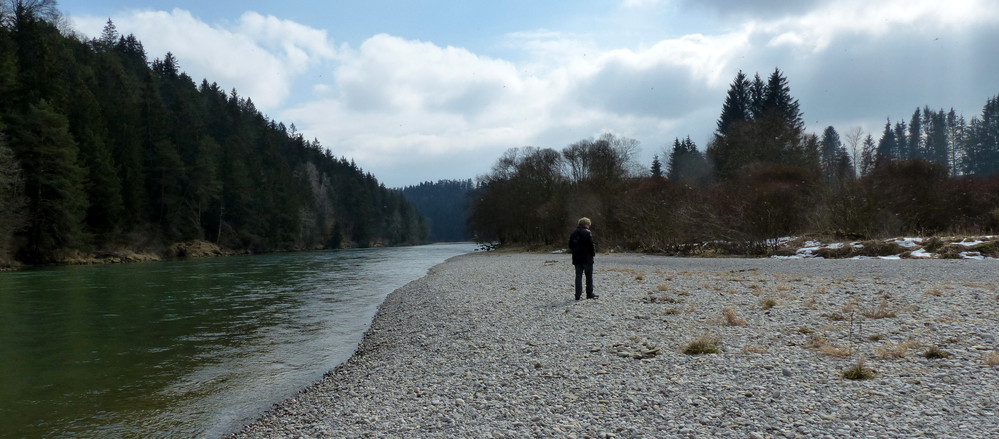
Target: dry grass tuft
751	348
935	353
835	316
824	347
835	351
663	286
935	292
805	330
881	312
672	311
859	371
892	351
992	359
811	303
768	302
732	317
705	343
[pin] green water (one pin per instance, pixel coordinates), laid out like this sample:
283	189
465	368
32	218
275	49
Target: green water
184	348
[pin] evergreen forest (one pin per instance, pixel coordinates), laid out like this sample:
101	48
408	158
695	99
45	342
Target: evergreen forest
444	205
104	152
761	177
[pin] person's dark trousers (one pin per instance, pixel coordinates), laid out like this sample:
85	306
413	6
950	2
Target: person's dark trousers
580	270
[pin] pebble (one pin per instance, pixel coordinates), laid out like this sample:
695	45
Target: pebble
493	345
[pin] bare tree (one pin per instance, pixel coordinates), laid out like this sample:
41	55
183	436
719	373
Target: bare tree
854	144
14	13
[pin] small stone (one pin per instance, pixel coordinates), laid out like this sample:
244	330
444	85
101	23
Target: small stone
787	372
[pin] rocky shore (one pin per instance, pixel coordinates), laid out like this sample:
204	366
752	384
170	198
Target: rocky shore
493	345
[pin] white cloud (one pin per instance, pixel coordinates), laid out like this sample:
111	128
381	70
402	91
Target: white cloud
642	3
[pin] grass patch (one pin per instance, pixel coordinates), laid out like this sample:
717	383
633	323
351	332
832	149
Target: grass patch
706	343
859	371
805	330
732	317
672	311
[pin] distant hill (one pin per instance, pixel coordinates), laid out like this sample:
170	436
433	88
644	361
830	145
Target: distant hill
103	151
445	205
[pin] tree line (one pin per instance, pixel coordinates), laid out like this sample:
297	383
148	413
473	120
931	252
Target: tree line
760	177
102	150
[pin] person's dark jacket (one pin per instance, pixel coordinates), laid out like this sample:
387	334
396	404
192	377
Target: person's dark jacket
582	246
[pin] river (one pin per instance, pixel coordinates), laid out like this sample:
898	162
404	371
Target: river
192	348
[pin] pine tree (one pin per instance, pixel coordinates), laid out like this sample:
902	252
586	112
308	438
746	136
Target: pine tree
54	180
657	167
981	157
887	147
914	145
12	199
830	153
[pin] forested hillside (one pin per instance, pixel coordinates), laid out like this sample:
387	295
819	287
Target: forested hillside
445	205
761	177
102	151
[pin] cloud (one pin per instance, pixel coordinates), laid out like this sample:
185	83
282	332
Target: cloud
642	3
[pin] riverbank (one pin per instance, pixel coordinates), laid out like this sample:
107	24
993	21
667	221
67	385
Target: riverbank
492	345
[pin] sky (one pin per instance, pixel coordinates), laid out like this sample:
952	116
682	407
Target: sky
418	91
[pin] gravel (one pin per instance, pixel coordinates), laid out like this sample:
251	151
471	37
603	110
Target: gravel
493	345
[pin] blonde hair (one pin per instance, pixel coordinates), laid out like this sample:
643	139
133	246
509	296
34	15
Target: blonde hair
584	221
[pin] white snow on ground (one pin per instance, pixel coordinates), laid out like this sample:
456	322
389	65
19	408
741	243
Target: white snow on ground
809	248
921	253
970	243
909	242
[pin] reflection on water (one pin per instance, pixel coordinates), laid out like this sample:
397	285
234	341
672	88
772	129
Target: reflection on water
184	348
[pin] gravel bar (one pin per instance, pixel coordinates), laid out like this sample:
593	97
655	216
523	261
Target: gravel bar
493	345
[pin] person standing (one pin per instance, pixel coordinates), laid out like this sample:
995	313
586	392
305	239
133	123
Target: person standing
583	250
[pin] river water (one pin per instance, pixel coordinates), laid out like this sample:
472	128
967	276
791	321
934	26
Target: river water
192	348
